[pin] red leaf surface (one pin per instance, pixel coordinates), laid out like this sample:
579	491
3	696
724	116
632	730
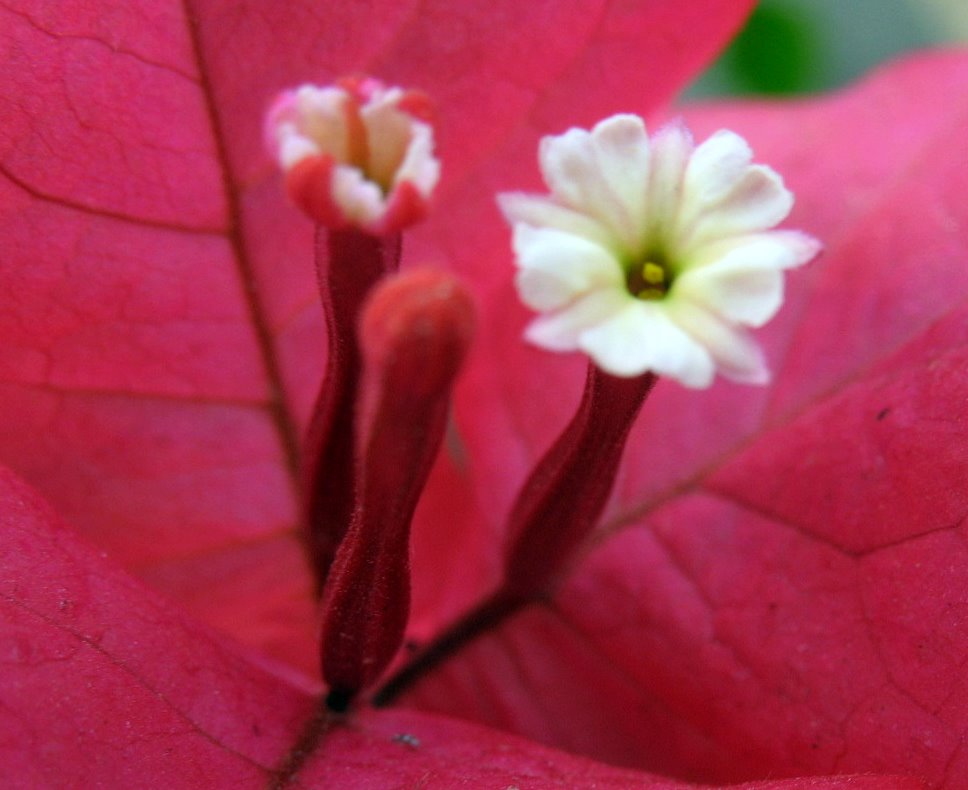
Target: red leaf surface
780	587
105	684
782	581
162	331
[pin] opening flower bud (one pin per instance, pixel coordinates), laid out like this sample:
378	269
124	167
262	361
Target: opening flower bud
355	154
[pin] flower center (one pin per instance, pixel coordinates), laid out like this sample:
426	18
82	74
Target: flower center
649	279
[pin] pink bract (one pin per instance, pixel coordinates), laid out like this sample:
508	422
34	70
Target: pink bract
780	586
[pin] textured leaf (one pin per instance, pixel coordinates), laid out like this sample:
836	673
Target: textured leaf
782	582
162	335
161	348
106	685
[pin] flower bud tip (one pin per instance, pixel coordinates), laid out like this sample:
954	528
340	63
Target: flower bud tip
425	313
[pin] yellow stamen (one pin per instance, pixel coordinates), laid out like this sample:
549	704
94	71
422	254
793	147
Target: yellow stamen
653	274
654	279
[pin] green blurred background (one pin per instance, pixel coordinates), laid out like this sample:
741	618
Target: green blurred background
804	46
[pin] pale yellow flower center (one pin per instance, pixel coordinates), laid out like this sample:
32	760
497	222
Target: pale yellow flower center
649	278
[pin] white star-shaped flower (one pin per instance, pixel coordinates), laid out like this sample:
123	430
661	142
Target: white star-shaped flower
654	255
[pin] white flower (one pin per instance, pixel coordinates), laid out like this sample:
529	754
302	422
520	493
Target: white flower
654	255
356	154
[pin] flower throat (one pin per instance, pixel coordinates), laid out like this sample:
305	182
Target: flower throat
649	278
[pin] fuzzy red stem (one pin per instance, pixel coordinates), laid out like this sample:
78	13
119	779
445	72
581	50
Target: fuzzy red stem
557	508
415	333
562	499
348	264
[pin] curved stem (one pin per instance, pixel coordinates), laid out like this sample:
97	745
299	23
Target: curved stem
348	264
563	498
558	506
488	614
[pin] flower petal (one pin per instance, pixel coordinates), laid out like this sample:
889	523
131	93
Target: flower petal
292	147
714	168
624	161
717	165
602	173
388	134
556	267
420	167
736	354
642	337
321	114
735	289
757	201
671	148
359	198
742	279
560	331
540	211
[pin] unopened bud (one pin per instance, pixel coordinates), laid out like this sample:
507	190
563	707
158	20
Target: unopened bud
415	332
421	318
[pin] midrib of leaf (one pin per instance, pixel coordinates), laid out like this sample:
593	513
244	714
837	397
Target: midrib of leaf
122	666
285	426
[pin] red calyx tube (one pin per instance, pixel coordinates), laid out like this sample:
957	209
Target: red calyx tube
349	263
563	497
415	332
558	507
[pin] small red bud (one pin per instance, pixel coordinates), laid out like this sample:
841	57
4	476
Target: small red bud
415	331
423	317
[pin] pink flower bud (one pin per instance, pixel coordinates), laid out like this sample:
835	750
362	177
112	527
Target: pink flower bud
355	154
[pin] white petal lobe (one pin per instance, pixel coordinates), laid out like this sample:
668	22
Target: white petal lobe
756	202
671	148
556	267
717	165
560	331
641	337
540	211
736	355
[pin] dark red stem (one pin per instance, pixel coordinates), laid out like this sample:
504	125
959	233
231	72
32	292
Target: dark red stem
415	333
488	614
558	506
566	492
348	264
